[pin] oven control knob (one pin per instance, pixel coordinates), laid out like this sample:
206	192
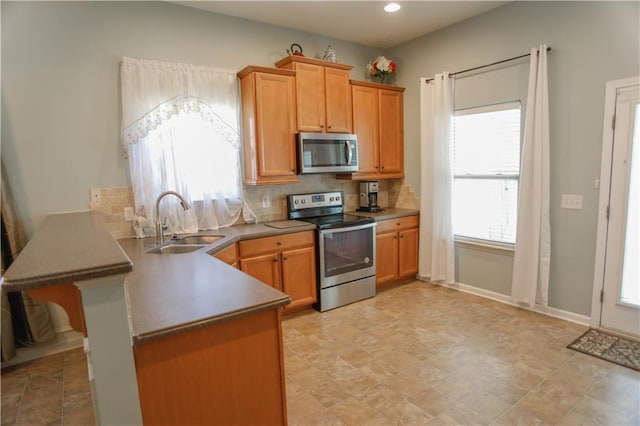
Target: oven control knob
303	201
331	199
338	198
295	202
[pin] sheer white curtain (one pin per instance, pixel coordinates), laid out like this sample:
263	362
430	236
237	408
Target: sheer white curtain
180	131
437	257
530	281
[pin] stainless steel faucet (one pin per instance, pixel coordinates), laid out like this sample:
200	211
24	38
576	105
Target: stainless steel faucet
159	230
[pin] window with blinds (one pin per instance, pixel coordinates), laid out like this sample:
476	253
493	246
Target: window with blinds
486	167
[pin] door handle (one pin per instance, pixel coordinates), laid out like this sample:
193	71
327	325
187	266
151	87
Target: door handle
347	145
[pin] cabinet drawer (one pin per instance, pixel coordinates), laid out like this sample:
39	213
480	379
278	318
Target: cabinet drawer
274	244
397	224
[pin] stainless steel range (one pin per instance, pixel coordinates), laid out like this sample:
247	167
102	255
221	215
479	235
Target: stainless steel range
346	248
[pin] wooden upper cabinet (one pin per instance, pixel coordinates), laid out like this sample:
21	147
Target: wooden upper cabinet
268	124
378	121
365	125
323	94
391	132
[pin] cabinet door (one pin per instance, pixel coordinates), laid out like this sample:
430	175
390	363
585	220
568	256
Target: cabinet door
365	125
228	255
299	276
310	102
338	100
275	125
408	252
386	257
391	132
265	268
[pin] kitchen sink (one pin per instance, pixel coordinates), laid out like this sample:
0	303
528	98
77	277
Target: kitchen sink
176	248
197	239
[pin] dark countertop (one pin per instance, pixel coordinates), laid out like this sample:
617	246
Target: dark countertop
388	213
67	247
173	293
167	293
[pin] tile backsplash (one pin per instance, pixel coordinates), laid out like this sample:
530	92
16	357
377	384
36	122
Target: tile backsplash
268	202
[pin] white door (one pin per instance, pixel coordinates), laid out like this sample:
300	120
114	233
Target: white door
620	199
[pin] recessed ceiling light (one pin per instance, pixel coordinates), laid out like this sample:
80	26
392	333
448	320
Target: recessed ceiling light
392	7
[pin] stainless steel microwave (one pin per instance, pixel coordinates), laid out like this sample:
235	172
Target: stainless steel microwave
327	153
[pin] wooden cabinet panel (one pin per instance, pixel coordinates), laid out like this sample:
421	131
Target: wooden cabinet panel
338	101
286	262
265	268
365	125
275	244
323	94
297	281
228	255
310	99
268	123
386	257
378	122
391	132
230	373
408	253
397	224
396	249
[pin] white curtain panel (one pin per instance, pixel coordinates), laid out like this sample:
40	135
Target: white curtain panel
436	250
530	282
180	132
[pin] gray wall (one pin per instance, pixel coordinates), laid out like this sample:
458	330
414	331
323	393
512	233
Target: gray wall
593	42
61	93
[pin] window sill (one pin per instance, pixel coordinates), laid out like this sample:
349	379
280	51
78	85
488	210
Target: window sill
485	245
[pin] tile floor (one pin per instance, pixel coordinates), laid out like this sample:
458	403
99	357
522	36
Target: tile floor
415	354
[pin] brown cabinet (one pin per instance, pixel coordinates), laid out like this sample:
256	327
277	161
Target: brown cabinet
268	125
397	249
228	255
323	94
286	262
378	122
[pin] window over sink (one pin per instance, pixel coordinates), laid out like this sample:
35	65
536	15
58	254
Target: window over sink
180	132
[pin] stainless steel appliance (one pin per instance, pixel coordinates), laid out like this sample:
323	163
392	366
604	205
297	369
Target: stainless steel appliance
327	153
346	248
369	197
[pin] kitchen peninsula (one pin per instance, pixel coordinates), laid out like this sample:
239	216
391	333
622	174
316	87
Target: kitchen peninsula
175	339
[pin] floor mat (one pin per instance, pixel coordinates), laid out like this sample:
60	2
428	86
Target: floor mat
611	348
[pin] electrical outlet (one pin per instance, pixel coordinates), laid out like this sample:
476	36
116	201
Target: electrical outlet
96	195
571	201
128	214
266	201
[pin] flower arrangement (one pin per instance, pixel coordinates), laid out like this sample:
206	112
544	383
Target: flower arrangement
382	68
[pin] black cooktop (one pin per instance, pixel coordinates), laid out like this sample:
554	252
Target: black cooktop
337	220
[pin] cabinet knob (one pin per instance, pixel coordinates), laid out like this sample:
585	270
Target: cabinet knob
322	126
279	243
329	127
284	258
275	258
401	236
397	223
381	167
395	237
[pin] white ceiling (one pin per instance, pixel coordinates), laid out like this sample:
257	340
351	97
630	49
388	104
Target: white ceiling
362	22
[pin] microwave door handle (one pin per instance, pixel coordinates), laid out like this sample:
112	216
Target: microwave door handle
347	145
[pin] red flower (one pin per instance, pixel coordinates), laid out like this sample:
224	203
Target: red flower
392	66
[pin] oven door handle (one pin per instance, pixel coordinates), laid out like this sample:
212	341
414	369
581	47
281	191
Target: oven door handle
347	228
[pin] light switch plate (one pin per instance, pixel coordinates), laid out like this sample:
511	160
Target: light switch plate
571	201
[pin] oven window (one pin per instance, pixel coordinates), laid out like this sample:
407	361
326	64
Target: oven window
347	251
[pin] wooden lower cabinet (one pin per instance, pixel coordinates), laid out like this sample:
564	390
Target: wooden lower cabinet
229	373
396	249
228	255
286	262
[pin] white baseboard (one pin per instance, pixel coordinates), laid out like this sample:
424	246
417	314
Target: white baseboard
503	298
63	342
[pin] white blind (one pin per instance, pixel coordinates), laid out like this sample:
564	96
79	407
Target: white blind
486	164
